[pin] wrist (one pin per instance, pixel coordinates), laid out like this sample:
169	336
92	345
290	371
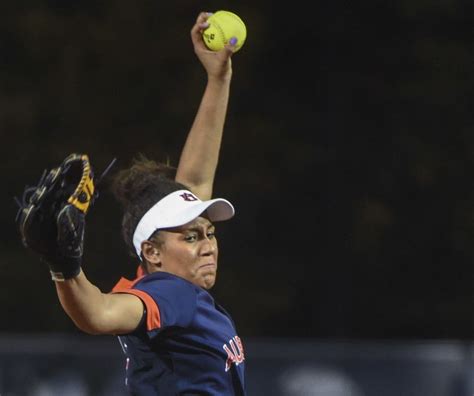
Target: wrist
62	269
62	277
219	79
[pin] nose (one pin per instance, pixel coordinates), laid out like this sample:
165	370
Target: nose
208	247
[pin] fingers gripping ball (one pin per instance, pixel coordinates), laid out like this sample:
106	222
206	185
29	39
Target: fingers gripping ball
223	25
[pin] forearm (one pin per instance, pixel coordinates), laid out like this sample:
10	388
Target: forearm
83	302
200	155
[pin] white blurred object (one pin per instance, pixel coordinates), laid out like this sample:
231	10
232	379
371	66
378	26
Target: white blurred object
63	384
317	381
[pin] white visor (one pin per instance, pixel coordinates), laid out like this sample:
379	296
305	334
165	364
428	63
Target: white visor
176	209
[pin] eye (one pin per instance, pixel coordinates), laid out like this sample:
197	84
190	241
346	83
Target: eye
211	234
190	237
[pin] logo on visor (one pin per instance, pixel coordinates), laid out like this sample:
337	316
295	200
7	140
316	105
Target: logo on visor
188	197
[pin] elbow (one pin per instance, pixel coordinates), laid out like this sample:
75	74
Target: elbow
201	187
202	191
91	331
90	328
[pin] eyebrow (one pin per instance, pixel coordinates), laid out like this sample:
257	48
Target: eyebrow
199	228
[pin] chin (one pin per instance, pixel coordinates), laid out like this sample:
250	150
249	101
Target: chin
208	281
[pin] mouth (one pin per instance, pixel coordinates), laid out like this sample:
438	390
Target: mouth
208	266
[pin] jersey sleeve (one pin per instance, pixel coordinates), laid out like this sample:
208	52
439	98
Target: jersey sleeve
169	302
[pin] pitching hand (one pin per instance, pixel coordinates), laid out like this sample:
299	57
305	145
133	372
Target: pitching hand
218	64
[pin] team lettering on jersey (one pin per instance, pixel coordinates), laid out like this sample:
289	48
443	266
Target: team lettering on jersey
235	354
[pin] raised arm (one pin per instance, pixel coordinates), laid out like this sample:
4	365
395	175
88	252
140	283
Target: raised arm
200	155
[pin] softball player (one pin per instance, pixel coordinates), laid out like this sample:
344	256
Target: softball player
177	340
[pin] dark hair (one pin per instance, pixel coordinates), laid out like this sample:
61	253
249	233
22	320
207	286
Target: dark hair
138	188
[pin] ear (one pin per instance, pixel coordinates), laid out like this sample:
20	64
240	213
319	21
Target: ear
151	253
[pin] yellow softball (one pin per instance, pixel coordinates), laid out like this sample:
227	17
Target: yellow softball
223	25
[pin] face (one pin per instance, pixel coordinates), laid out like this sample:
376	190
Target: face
189	251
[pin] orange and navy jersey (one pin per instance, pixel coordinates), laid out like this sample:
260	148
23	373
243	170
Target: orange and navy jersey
187	343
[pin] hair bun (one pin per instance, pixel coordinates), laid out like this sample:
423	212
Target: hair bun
128	185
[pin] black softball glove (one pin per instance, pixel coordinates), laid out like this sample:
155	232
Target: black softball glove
51	215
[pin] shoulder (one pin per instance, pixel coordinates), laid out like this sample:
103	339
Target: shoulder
165	284
175	297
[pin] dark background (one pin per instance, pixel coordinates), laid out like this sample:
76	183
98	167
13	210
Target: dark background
348	154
